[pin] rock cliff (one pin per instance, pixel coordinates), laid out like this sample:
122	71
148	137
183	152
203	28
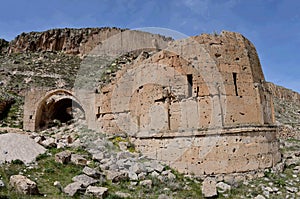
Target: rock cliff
3	45
68	40
283	93
287	111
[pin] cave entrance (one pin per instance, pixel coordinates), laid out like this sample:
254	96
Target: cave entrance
57	109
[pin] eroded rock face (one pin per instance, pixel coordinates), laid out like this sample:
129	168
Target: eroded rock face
283	93
68	40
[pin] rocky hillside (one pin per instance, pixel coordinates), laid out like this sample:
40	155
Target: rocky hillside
282	93
287	110
5	104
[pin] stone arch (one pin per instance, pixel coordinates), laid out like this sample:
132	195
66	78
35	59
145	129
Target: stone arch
56	105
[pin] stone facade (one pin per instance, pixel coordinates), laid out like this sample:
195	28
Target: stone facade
198	104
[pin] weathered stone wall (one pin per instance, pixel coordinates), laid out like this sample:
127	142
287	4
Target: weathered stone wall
226	88
215	151
43	105
200	105
32	98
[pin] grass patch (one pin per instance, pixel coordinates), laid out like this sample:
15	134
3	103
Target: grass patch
44	173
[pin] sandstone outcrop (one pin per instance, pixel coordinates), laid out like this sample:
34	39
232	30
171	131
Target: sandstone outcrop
68	40
283	93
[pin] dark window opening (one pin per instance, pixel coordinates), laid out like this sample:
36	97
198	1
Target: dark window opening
30	117
234	75
98	112
190	85
197	91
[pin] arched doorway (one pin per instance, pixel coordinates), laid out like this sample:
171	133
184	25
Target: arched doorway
58	106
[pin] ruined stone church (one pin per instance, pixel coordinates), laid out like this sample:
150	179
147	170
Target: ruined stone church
198	104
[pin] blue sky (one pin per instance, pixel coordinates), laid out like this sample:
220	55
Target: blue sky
271	25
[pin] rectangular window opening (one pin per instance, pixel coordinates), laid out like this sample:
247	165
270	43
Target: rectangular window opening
190	85
234	75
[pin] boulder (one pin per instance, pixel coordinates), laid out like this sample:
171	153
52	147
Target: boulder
98	156
223	187
23	185
73	188
116	176
132	176
209	188
146	183
15	146
63	157
49	143
97	192
84	180
78	159
91	172
137	168
154	165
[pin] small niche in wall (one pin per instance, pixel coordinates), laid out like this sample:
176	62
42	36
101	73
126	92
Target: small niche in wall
190	84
